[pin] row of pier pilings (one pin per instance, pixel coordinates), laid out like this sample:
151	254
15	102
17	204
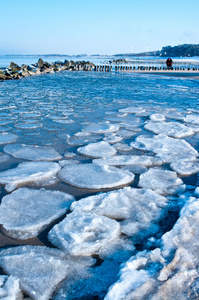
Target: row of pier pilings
107	68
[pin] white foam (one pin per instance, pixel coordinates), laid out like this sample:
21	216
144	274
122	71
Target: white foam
162	181
84	233
172	129
32	152
126	160
29	172
97	150
7	138
27	212
10	288
40	269
93	176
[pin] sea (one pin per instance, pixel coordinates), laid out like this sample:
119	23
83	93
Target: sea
82	117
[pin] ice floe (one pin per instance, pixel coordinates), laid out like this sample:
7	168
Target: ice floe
93	176
10	288
97	150
32	152
132	110
4	157
140	208
157	117
122	147
167	148
29	172
185	168
162	181
100	128
125	160
192	118
167	273
7	138
41	269
172	129
84	233
26	212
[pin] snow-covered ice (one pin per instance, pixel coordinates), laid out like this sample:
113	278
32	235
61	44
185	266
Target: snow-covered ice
84	233
163	182
97	150
157	117
140	208
167	273
26	212
41	269
167	148
185	168
93	176
29	172
32	152
10	288
172	129
125	160
100	128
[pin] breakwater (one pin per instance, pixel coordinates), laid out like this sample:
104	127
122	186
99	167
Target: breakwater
14	71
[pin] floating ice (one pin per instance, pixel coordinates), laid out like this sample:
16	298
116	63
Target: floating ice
125	160
172	129
167	148
29	172
101	128
41	269
7	138
170	273
93	176
139	207
10	288
185	168
29	125
32	152
112	138
26	212
132	110
84	233
4	157
97	150
127	134
192	118
157	117
135	169
162	181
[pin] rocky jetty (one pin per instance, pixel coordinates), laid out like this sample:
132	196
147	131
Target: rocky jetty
16	72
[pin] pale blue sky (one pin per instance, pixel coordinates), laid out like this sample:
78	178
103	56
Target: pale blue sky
93	27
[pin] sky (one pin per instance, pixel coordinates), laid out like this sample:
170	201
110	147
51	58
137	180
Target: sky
96	26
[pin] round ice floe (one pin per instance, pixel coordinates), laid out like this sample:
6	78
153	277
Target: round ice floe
132	110
10	288
126	134
41	269
139	207
172	129
7	138
192	118
122	147
167	148
185	168
29	125
84	233
101	128
26	212
97	150
93	176
125	160
112	138
162	181
32	152
29	172
157	117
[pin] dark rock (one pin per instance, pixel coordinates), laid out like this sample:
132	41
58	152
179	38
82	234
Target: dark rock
40	63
